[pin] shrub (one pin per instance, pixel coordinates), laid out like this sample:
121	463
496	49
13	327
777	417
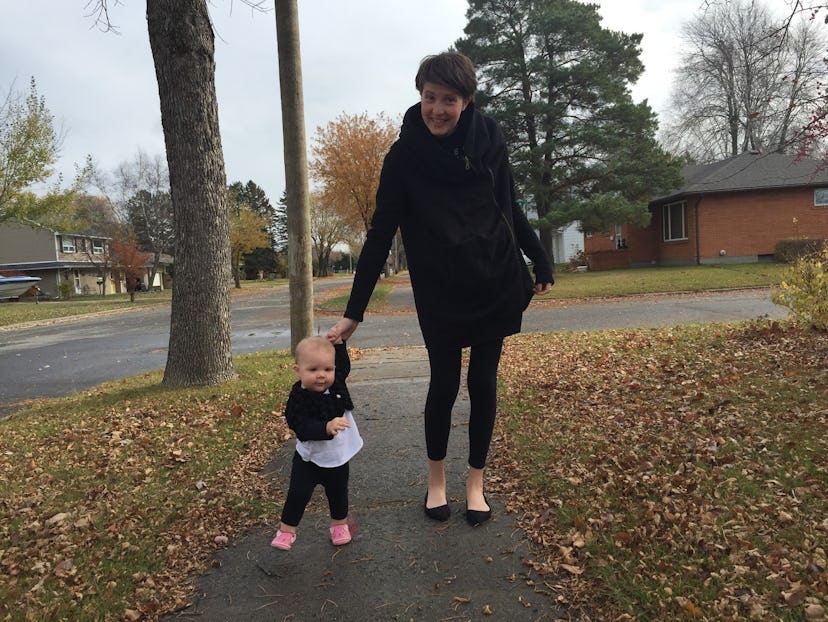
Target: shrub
791	249
804	289
578	259
66	290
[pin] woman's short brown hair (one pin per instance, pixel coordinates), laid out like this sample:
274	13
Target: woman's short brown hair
451	69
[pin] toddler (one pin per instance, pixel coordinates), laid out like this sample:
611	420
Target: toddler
318	411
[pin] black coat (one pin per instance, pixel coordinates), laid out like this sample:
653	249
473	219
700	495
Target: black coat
454	203
308	412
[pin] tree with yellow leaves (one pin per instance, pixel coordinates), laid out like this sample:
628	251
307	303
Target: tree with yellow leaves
248	230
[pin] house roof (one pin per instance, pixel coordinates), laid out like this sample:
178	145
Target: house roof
750	171
34	266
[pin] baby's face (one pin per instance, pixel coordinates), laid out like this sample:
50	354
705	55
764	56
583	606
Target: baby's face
315	369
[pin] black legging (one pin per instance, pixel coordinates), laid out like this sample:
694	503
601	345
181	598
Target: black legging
445	364
304	477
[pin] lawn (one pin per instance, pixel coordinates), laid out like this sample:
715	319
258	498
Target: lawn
17	312
110	498
665	279
661	474
567	285
27	311
672	474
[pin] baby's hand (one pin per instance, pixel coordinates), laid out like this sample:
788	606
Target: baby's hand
337	424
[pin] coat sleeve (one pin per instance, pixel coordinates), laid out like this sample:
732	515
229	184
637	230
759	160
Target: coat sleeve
374	253
530	244
531	247
304	426
506	193
342	362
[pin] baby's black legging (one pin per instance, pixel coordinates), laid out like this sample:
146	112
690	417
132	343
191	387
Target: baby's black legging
445	363
304	477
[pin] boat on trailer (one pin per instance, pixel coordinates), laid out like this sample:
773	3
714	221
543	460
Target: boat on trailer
15	286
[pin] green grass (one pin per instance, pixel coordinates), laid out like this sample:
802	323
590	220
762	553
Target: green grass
111	498
668	279
27	311
263	284
375	304
682	470
17	312
567	285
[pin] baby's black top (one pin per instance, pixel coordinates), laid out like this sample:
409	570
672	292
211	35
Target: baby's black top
308	412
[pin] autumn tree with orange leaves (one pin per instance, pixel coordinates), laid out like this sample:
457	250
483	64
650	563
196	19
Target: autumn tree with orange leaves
347	156
128	259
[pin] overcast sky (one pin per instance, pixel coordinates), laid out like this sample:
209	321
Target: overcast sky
357	56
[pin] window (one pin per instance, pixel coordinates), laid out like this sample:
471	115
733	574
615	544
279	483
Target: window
620	242
820	197
675	221
67	244
97	247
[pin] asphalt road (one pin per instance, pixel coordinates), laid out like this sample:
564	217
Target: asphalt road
69	356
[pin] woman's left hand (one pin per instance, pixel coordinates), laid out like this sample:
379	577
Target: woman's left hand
542	288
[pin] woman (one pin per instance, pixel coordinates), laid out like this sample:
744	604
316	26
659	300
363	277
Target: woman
447	184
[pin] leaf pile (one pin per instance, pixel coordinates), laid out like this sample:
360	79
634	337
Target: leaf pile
671	474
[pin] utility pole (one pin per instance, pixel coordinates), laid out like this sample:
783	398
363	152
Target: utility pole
300	264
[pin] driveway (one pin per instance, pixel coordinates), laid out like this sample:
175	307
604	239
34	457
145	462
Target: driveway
70	356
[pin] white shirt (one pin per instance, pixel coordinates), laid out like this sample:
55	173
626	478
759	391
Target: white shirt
336	451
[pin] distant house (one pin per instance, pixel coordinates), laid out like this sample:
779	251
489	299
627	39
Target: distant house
732	211
70	262
567	242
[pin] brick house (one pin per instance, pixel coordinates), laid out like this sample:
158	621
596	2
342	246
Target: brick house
732	211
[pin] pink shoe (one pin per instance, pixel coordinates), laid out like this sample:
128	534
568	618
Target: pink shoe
283	540
340	534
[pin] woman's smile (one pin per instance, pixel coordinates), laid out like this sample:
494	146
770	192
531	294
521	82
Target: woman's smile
440	107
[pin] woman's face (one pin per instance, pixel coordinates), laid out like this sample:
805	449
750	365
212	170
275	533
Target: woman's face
441	108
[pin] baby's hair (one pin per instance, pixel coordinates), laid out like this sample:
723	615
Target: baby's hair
315	342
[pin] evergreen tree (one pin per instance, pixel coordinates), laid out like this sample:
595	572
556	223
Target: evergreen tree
251	196
280	231
559	85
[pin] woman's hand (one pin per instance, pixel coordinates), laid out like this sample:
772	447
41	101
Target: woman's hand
343	329
542	288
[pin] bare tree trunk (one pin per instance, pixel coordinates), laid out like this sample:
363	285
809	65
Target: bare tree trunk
236	276
300	263
181	38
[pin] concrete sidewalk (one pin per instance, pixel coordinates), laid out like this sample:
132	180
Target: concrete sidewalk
401	565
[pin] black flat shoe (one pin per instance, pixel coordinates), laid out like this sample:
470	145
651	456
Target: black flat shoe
476	517
440	513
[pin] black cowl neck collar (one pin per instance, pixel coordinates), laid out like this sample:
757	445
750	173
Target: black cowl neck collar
432	154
